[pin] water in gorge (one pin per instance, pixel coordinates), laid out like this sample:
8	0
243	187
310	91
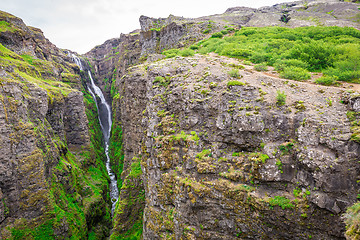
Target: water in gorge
104	113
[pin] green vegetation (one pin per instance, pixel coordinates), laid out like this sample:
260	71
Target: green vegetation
204	153
295	73
5	26
280	201
234	73
335	51
187	52
354	118
217	35
162	81
327	80
280	98
352	217
260	67
286	148
235	83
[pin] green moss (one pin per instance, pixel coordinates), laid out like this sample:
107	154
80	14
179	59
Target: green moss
354	118
5	26
135	169
204	153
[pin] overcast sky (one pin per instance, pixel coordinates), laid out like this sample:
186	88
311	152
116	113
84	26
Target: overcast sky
80	25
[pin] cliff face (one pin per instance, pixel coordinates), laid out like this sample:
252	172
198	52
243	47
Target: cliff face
198	154
223	161
52	178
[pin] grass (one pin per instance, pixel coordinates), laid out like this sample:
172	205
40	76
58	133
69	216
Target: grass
281	201
234	73
335	51
260	67
280	98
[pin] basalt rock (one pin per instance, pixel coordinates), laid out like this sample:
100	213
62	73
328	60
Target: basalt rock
225	162
49	139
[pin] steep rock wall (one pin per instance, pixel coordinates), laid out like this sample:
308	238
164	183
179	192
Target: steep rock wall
53	182
221	161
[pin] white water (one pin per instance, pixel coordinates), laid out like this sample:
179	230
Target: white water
104	113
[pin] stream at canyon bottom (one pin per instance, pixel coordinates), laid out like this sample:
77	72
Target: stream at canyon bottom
104	113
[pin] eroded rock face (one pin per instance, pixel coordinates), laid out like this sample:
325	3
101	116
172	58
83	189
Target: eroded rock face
47	149
221	161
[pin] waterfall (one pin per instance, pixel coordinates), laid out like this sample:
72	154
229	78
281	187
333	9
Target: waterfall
104	113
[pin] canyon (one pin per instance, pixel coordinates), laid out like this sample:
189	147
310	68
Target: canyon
198	152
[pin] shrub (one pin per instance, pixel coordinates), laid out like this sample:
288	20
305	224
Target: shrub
326	80
187	52
171	53
280	98
206	31
234	73
236	53
194	47
259	57
217	35
318	54
280	65
295	73
235	83
260	67
224	32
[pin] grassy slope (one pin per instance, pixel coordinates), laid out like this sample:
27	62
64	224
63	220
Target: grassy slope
334	51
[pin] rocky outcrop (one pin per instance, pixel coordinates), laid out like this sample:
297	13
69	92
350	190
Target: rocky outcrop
224	161
112	58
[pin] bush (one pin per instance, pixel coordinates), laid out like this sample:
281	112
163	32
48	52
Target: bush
279	65
224	32
206	31
326	80
295	73
333	50
171	53
194	47
318	54
261	67
187	52
235	83
280	98
259	57
234	73
217	35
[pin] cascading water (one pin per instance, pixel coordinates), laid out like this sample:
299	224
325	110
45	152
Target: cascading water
104	113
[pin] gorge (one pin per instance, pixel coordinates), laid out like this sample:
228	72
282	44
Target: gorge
238	125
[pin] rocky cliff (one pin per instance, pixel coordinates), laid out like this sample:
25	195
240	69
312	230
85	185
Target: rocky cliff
53	182
221	161
199	152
